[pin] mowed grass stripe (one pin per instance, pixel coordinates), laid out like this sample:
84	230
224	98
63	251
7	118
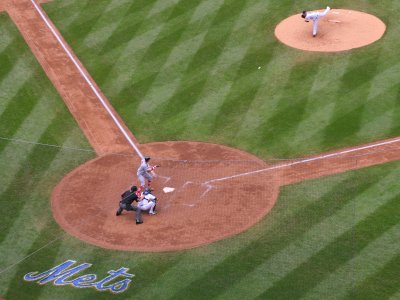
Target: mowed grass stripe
234	78
6	37
289	112
116	78
269	94
13	81
113	18
88	15
33	167
189	90
320	107
159	52
135	37
379	116
17	110
340	251
149	83
14	154
71	248
374	271
149	267
209	257
155	82
14	290
320	233
9	55
247	80
263	257
35	213
138	22
118	25
161	6
229	56
345	121
117	4
205	9
131	53
395	296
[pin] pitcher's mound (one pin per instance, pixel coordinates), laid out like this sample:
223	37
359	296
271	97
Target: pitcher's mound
339	30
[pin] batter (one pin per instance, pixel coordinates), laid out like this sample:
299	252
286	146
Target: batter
144	173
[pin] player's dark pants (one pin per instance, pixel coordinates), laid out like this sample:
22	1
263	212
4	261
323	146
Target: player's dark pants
130	207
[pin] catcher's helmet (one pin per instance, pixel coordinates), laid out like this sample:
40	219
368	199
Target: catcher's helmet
147	158
147	191
133	188
304	14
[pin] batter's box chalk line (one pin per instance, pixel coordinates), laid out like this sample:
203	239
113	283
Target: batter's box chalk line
208	188
166	178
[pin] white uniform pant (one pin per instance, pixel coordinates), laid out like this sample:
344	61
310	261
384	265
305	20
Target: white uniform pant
314	16
147	206
315	27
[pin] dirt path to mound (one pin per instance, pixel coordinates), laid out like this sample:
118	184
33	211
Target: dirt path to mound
210	181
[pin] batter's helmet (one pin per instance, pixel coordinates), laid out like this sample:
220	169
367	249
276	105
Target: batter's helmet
147	158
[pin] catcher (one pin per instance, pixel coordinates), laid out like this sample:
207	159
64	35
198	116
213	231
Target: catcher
148	202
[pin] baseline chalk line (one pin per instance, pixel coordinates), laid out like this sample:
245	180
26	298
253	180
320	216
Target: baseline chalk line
321	157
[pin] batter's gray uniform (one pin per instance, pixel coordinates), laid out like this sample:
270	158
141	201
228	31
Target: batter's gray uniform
143	172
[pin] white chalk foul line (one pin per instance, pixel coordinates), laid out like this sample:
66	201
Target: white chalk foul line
321	157
87	79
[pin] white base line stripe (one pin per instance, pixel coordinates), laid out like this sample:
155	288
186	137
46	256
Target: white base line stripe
89	82
305	160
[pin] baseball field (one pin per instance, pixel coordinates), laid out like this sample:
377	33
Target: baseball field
208	71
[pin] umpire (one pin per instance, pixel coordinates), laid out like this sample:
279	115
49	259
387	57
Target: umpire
127	199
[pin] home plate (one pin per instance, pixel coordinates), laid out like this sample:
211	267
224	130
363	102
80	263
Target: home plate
168	189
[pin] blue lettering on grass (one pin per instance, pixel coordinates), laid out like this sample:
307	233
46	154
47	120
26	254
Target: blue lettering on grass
61	275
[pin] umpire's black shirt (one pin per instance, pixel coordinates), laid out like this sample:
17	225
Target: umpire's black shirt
128	197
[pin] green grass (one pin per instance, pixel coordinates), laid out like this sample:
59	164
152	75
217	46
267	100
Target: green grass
191	68
325	237
31	114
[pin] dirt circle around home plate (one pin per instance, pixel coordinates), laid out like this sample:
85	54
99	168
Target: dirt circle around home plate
207	205
339	30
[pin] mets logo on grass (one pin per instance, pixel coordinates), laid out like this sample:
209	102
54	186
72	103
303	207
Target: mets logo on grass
65	274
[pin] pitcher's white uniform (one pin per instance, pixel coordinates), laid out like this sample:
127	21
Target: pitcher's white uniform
314	16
